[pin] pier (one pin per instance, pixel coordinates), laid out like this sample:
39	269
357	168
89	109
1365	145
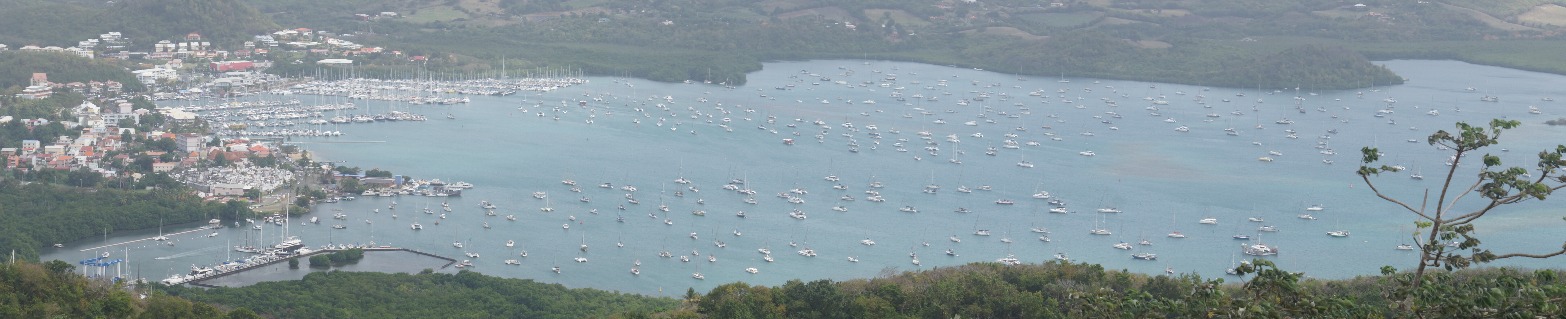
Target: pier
198	282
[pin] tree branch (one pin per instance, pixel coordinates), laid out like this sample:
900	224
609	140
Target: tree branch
1464	193
1410	209
1539	256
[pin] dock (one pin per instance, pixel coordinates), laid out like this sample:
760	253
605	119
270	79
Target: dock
198	281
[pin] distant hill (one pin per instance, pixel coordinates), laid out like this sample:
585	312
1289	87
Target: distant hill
1209	42
63	23
16	69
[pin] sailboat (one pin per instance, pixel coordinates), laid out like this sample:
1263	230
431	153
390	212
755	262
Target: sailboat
1176	233
1098	229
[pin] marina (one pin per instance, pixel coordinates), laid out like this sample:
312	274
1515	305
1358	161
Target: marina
918	158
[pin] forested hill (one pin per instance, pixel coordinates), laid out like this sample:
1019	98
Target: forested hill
63	23
1270	43
1057	290
980	290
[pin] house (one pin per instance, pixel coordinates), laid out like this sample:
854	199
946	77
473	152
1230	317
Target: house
38	88
54	150
222	189
30	146
190	142
164	166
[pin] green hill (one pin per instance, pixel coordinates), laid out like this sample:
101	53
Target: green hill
1223	42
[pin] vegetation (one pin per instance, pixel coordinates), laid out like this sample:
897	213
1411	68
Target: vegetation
35	215
1497	184
1067	290
335	259
465	294
52	290
1249	43
17	68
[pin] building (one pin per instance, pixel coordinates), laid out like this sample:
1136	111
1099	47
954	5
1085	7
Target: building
227	189
229	66
38	88
179	116
164	166
30	146
190	142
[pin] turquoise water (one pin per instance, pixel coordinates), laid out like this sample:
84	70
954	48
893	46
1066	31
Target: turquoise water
1162	179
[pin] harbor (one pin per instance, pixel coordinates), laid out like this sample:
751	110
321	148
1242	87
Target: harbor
846	169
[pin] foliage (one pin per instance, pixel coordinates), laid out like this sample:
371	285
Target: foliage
30	290
1493	183
466	294
335	259
37	214
1066	290
17	68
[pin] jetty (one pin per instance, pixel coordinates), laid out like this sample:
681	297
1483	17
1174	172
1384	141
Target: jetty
200	275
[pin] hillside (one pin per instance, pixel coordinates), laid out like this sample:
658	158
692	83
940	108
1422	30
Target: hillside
980	290
1221	43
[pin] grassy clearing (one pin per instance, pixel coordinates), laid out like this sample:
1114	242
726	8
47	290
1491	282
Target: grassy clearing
1502	8
435	14
1006	31
902	17
1550	14
829	13
1490	20
1060	20
481	7
579	4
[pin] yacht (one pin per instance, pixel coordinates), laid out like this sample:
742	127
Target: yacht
416	226
1208	221
1405	247
1315	208
1258	250
1109	210
1307	217
1062	257
1338	233
1085	153
1122	246
752	270
1099	231
1058	210
1268	228
1145	256
1176	235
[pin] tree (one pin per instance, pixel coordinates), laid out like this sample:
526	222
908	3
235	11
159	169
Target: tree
1495	183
